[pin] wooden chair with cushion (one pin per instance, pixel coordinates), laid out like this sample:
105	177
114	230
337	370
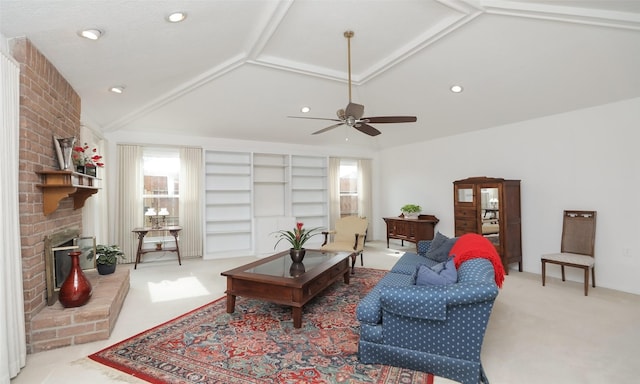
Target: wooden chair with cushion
348	236
577	246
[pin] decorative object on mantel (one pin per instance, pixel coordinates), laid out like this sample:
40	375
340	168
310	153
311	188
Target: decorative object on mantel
64	149
87	160
297	238
107	258
76	289
88	170
411	211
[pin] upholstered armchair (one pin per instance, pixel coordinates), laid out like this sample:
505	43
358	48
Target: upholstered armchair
348	236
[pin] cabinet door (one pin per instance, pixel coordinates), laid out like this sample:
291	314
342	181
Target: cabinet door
391	227
402	228
490	219
412	230
464	195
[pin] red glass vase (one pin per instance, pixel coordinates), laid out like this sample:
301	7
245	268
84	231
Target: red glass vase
76	289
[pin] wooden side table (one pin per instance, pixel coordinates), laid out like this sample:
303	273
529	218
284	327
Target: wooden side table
412	230
142	232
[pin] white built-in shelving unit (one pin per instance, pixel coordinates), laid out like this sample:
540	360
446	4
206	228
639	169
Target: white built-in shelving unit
228	213
270	184
309	192
251	195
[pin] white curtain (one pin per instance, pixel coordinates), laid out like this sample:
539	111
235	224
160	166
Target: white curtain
364	191
95	212
334	191
13	349
129	205
190	201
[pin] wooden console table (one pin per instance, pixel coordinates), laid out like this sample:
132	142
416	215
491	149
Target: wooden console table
142	232
412	230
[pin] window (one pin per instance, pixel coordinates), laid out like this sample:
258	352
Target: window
348	188
161	196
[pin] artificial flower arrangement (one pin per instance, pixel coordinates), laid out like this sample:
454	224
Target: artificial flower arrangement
298	236
85	157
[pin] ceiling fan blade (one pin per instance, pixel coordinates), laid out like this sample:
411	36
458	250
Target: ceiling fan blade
327	128
367	129
355	110
391	119
312	118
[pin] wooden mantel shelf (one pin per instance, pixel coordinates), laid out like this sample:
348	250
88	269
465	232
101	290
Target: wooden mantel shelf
57	185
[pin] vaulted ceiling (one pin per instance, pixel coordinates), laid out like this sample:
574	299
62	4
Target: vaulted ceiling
237	69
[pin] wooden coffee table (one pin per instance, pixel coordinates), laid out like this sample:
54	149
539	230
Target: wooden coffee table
277	279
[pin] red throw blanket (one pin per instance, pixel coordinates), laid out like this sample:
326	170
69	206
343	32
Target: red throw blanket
472	245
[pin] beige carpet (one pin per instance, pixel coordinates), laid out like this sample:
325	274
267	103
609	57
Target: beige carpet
554	334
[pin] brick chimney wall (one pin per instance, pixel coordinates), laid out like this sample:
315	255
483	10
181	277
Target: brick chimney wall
49	107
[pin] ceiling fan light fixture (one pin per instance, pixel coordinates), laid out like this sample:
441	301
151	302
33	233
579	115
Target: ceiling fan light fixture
91	34
119	89
352	115
176	17
456	88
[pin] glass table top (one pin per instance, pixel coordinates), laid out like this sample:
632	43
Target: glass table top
282	266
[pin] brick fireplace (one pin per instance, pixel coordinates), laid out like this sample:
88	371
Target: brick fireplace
49	107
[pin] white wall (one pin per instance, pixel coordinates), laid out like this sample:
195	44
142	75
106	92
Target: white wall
586	159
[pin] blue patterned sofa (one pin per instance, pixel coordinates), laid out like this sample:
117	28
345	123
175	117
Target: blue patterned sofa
437	329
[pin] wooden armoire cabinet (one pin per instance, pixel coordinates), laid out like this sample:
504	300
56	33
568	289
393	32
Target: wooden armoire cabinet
491	207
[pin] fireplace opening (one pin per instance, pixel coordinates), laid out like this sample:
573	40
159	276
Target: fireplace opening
57	261
62	262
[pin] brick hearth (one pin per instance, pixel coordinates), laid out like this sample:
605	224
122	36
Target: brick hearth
56	326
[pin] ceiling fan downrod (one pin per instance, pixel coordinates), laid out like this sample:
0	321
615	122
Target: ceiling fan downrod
349	35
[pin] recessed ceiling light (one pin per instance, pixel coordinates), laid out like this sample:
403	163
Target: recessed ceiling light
176	17
456	88
91	34
305	109
117	89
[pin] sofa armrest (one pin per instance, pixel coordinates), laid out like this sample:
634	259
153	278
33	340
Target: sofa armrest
430	302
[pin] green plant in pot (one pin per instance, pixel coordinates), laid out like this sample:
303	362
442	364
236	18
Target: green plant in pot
411	210
107	258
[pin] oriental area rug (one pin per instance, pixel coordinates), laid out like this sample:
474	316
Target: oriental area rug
258	344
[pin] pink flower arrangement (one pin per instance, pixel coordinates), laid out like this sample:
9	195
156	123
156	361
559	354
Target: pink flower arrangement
298	236
84	156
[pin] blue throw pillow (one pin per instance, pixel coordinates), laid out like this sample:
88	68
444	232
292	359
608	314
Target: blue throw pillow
440	274
440	247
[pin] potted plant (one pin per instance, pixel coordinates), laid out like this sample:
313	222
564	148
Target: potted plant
107	258
297	238
411	211
86	159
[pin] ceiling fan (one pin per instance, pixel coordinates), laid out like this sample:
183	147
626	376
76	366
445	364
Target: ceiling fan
352	114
